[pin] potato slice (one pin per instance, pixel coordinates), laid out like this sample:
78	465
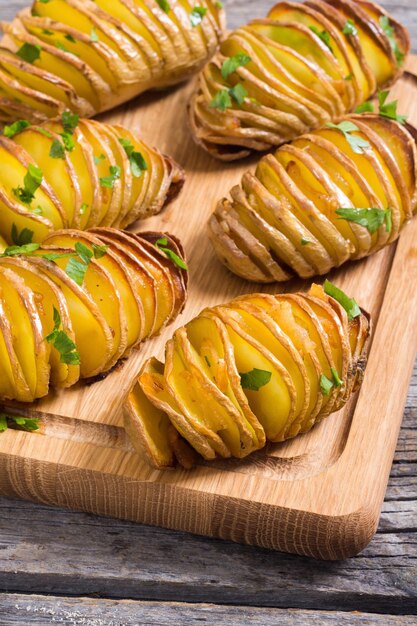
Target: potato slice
13	384
47	297
29	346
89	326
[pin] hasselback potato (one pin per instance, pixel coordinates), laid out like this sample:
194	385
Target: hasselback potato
78	173
338	193
261	368
304	65
73	307
91	55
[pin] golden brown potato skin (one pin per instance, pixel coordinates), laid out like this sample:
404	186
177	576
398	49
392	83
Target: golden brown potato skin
58	327
92	55
284	219
260	368
304	65
104	175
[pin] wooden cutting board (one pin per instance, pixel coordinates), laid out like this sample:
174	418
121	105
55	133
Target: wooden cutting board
318	495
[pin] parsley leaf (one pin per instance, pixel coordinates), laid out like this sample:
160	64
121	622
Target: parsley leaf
94	36
305	242
324	36
238	93
372	219
196	15
32	181
161	244
14	129
326	385
70	121
136	159
44	132
365	107
356	142
221	100
99	159
70	38
108	181
26	423
29	52
336	378
390	34
19	250
57	150
389	109
255	379
164	5
349	304
62	343
22	238
233	63
349	28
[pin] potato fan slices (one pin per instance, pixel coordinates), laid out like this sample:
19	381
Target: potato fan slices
73	307
261	368
320	201
302	66
82	174
90	56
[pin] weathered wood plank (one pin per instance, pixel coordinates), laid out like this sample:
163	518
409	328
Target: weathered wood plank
53	551
40	610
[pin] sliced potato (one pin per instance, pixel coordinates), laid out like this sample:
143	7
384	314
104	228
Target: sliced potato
319	201
290	73
295	359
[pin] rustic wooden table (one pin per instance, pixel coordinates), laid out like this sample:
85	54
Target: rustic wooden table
71	568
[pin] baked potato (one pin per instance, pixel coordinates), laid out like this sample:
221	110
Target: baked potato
73	307
79	173
90	56
261	368
302	66
336	194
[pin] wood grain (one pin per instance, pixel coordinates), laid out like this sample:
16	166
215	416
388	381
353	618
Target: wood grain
317	495
39	611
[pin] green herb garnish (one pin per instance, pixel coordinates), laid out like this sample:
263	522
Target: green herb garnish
390	33
14	129
356	142
70	121
233	63
62	343
365	107
389	109
23	238
164	5
326	385
349	304
136	159
94	36
371	219
29	52
197	15
31	182
109	181
349	28
255	379
25	423
324	36
162	244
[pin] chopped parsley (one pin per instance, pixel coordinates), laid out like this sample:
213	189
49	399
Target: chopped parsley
25	423
94	36
109	181
365	107
136	159
255	379
223	98
233	63
23	238
326	385
99	159
57	150
356	142
349	304
197	15
62	343
29	52
164	5
14	129
390	34
336	378
389	109
305	242
371	219
324	36
31	182
162	244
69	121
349	28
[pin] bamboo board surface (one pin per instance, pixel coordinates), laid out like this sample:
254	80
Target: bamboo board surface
319	494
